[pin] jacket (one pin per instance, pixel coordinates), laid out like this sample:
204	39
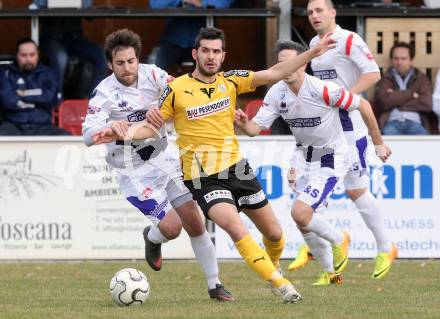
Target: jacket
182	31
41	87
384	101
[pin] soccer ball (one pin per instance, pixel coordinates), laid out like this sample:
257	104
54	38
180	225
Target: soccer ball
129	286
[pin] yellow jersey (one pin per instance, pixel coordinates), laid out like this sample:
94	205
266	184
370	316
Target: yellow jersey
203	116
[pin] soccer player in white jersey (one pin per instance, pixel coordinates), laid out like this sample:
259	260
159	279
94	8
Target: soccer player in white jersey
352	66
147	173
311	109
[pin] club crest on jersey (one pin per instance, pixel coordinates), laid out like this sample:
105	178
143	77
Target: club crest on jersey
123	105
208	92
313	94
222	88
197	112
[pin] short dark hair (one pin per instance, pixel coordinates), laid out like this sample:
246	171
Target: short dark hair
210	34
23	41
329	3
122	39
281	45
412	52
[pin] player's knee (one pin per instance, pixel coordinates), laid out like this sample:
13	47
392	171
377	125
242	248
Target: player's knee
274	234
195	227
300	216
236	231
354	194
171	230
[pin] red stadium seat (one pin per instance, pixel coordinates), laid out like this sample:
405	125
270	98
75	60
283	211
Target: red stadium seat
251	110
71	114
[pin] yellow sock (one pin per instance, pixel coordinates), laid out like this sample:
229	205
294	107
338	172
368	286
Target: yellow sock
274	249
258	260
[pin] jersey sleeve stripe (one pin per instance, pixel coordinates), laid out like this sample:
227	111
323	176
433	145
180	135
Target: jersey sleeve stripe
348	44
339	102
325	96
350	99
235	84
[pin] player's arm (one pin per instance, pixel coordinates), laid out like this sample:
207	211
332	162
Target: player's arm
365	81
335	96
280	70
265	116
141	131
97	121
359	53
250	128
383	151
157	116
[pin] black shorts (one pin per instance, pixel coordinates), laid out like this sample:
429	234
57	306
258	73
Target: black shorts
236	185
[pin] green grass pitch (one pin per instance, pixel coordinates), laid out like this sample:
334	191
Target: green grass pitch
47	290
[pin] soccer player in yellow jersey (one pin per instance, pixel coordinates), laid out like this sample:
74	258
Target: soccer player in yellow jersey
202	105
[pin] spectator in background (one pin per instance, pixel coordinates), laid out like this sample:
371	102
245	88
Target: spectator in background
28	94
64	36
177	40
436	99
403	97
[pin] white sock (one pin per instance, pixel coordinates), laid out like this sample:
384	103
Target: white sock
156	236
319	225
370	212
205	253
321	249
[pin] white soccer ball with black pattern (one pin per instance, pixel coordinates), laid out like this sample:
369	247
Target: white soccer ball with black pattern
129	286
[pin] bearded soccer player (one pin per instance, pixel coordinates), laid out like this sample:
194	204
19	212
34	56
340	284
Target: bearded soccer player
202	105
145	170
352	66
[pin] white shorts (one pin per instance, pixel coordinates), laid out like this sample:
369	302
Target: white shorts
322	170
156	187
362	156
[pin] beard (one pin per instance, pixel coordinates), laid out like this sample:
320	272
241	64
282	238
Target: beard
28	67
127	81
206	72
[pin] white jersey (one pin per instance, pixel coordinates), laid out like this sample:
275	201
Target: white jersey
113	101
344	65
312	115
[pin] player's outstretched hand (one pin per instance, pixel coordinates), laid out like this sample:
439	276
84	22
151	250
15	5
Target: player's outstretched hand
105	135
120	127
240	118
154	117
291	178
326	43
383	151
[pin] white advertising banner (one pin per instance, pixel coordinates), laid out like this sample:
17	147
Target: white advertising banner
59	200
407	192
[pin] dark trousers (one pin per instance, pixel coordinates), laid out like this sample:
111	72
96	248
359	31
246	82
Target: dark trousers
11	129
